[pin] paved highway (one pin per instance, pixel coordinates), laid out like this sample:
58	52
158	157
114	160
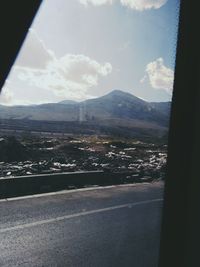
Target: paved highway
113	226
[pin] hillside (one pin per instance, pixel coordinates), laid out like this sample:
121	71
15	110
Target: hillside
116	111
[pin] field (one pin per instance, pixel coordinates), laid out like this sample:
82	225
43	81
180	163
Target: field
33	154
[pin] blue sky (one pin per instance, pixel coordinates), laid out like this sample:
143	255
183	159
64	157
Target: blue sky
80	49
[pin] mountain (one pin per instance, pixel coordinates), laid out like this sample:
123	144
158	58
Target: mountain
112	113
162	107
67	102
118	104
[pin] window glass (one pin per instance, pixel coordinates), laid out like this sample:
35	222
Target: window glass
87	105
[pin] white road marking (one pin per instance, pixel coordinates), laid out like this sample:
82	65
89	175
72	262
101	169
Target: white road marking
75	215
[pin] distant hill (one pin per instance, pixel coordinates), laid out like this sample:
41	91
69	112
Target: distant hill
162	107
118	104
67	102
115	112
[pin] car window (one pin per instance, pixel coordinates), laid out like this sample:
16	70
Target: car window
84	119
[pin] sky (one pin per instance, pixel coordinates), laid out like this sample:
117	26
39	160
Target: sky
82	49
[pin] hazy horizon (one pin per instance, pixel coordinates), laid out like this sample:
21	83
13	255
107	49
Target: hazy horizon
80	101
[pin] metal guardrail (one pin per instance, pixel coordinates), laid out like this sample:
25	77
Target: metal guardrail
43	183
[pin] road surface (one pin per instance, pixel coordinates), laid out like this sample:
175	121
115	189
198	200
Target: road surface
105	227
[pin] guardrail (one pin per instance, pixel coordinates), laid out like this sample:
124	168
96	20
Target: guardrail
26	185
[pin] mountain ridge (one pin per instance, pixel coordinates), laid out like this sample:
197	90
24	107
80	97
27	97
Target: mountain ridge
116	111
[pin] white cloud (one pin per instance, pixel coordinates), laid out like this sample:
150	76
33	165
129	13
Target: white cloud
138	5
141	5
6	96
159	76
70	76
95	2
34	53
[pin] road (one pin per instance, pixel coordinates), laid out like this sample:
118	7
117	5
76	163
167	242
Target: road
113	226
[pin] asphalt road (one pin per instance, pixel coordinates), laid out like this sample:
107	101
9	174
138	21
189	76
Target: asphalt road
115	226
